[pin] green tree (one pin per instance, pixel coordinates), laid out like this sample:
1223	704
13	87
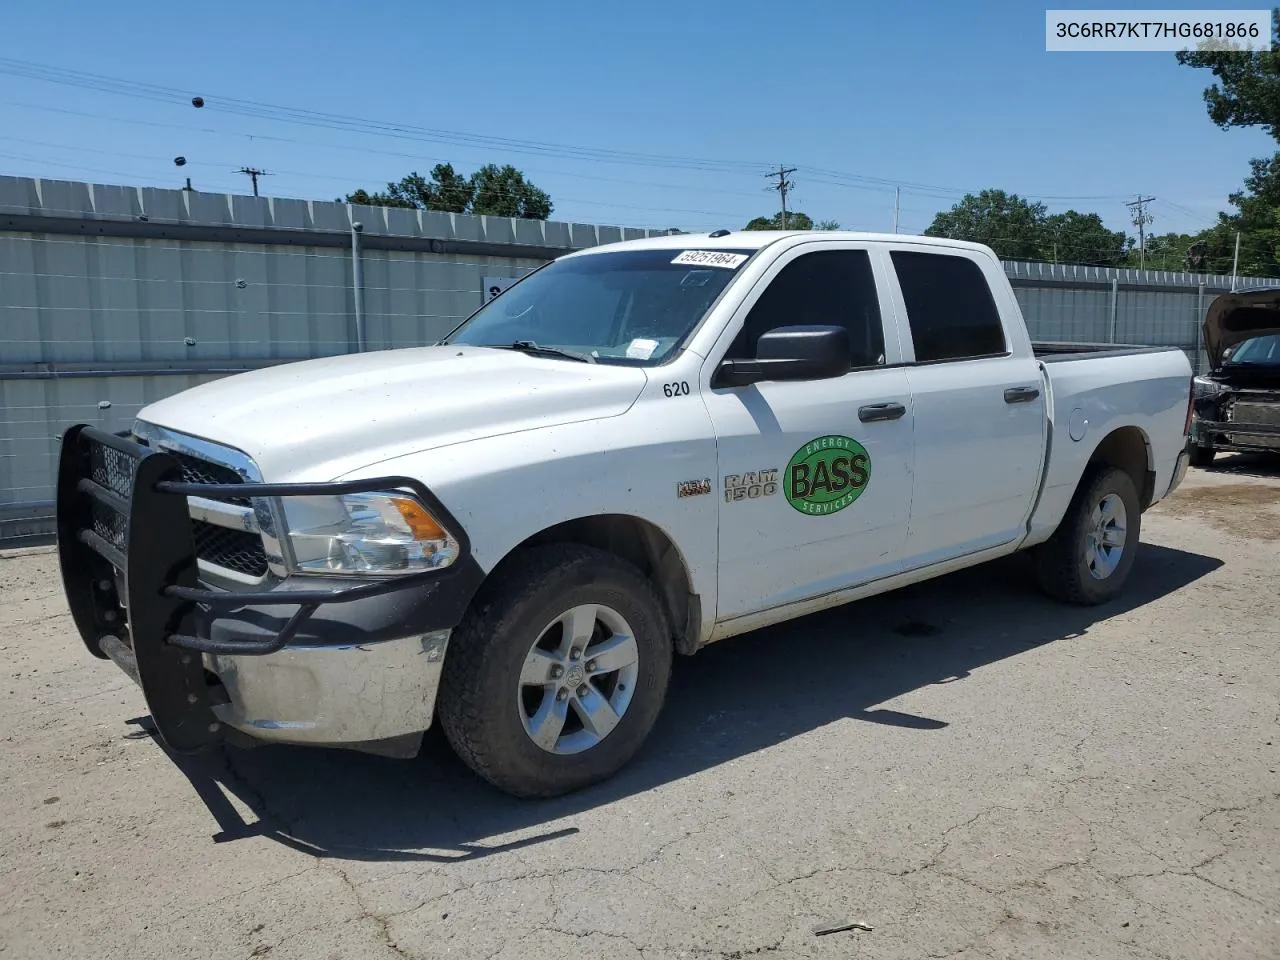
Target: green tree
1256	219
827	225
1019	229
368	199
504	192
446	191
795	221
1173	251
1247	93
1074	237
491	190
1005	222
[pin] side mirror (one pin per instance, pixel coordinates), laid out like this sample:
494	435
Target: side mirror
790	353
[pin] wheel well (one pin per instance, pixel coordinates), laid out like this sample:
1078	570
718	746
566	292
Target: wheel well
1128	449
650	550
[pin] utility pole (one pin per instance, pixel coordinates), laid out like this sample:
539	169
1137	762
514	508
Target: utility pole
897	196
1140	220
253	173
782	186
1235	263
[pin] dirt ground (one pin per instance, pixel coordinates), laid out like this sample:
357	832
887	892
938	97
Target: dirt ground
965	767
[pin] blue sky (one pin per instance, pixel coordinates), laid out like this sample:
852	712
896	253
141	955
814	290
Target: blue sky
939	97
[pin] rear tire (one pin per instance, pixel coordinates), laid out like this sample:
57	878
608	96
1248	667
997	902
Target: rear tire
1090	555
542	692
1199	456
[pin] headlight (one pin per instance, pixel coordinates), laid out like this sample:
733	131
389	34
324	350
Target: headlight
1206	388
361	533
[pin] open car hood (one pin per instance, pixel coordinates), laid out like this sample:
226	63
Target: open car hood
1235	317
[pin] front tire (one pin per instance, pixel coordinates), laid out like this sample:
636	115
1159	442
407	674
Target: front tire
1198	456
1089	556
557	674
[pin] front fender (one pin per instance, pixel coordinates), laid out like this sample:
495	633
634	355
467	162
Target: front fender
505	490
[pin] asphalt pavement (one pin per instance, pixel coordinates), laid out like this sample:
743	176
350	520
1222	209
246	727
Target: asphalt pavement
963	769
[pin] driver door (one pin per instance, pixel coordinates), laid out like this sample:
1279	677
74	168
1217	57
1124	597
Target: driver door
815	477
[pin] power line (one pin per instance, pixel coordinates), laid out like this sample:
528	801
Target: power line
333	146
260	110
1199	217
167	95
495	191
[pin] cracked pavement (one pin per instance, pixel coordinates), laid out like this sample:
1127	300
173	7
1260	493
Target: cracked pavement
970	769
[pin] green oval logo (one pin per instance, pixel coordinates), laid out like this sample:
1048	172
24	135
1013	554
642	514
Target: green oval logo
826	475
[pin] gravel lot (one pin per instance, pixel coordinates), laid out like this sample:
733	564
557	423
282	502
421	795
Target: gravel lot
965	767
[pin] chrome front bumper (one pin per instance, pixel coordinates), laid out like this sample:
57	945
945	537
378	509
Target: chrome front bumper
309	659
333	695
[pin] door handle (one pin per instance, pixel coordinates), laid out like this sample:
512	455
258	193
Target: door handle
1021	394
880	411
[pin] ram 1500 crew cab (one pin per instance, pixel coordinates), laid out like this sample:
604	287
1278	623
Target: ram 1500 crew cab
640	448
1237	405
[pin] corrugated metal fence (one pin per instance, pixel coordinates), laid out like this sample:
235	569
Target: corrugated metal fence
112	297
1104	305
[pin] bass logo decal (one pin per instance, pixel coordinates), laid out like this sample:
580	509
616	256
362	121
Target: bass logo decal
826	475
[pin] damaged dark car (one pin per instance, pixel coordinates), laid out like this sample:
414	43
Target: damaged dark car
1237	403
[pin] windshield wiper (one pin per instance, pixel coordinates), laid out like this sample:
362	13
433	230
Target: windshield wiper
529	346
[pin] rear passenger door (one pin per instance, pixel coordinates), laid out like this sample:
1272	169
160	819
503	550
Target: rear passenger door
978	403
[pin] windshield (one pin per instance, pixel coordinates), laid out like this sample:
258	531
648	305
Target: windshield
1260	351
630	307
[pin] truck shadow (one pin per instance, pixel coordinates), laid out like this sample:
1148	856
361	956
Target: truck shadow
1258	465
729	701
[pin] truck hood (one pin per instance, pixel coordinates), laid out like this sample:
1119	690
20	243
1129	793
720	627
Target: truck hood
1235	317
318	419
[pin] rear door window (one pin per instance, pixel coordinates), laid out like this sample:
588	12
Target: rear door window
950	310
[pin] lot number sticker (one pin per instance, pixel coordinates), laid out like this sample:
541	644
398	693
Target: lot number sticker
826	475
711	258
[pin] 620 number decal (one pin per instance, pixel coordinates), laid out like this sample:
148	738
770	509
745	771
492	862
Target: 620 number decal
680	389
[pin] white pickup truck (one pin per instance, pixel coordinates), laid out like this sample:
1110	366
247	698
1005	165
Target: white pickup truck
640	448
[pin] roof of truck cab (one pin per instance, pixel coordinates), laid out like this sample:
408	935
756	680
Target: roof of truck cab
757	239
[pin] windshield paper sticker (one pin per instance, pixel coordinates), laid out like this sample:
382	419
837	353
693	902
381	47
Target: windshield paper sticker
711	258
826	475
641	349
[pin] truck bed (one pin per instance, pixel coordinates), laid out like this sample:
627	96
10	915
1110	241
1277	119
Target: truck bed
1056	352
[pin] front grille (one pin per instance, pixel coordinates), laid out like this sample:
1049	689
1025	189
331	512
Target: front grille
195	470
1249	411
231	549
236	550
